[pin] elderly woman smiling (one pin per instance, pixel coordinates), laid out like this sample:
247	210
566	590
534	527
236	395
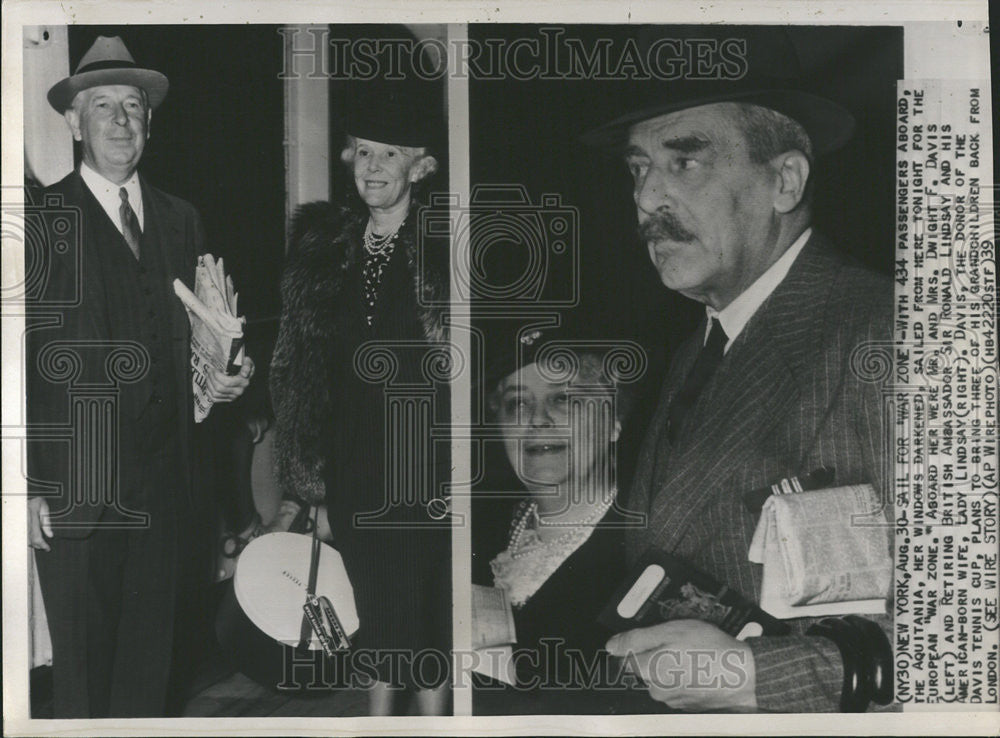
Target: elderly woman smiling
559	402
565	468
357	275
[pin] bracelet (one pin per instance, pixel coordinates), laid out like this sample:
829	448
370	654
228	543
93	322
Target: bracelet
848	639
879	659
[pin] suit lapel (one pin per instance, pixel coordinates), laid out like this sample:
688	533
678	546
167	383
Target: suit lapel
746	395
166	225
653	451
651	464
165	229
756	384
91	267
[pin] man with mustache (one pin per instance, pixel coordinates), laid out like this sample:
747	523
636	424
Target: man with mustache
764	390
113	533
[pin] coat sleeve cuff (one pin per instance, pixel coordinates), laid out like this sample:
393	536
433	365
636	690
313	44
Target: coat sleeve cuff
797	673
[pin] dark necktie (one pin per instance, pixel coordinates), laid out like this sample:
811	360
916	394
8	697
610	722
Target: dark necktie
704	366
130	223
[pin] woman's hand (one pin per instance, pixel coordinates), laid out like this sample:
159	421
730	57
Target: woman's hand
284	518
286	515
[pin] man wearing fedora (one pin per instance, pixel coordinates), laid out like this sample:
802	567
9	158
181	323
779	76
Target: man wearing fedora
765	388
110	559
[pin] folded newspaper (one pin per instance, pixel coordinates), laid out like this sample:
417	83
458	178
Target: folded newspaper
825	552
216	331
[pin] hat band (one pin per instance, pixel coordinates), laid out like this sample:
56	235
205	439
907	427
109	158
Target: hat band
101	65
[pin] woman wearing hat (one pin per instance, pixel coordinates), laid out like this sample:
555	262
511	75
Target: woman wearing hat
358	274
559	408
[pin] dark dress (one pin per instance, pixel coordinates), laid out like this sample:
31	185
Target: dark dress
398	563
563	667
335	377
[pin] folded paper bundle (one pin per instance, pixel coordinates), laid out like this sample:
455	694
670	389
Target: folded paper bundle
825	552
493	633
216	331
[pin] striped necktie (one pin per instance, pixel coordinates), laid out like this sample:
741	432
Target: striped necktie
130	223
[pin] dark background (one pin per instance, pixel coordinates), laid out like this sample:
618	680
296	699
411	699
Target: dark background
525	132
352	97
217	140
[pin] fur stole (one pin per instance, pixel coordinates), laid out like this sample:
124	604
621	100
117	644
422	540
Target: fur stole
325	241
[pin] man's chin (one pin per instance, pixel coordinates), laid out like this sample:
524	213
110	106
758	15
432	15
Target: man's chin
664	257
122	158
681	283
675	277
673	263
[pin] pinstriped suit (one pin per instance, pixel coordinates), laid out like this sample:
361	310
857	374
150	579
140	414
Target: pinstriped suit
109	595
783	402
174	229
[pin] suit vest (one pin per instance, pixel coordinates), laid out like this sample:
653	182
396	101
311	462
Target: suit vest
139	299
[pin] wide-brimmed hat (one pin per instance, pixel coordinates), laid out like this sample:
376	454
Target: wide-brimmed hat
108	62
751	64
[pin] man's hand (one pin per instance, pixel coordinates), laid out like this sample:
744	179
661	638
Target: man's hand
690	665
39	527
225	388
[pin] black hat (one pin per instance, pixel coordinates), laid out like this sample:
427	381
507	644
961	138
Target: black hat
752	64
560	347
107	62
399	112
515	351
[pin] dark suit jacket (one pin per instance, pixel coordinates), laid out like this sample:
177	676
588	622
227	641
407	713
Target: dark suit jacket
567	604
790	396
69	310
562	667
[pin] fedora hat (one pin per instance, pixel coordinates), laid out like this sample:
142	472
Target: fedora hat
710	64
107	62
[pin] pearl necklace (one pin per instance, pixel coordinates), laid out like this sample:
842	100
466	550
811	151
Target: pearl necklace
377	244
528	511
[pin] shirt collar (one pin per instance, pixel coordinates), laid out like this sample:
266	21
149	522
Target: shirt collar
107	195
737	314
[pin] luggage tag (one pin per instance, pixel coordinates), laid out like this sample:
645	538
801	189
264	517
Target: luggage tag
326	625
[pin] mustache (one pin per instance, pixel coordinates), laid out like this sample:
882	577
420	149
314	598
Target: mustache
663	225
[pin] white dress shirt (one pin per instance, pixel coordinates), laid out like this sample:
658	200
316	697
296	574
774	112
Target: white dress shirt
737	314
106	193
